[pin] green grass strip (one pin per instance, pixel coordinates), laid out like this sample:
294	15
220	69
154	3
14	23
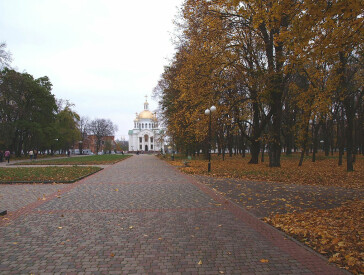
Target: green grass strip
46	174
84	160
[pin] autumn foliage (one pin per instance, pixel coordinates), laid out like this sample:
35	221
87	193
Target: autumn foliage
282	74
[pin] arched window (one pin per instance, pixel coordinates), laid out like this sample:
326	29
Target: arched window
149	125
143	125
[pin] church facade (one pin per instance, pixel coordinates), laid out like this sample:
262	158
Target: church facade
146	135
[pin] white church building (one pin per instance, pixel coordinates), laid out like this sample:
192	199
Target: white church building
146	135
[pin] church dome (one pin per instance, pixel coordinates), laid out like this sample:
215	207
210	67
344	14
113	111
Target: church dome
146	114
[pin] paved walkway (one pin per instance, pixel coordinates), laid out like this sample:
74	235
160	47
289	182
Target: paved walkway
140	216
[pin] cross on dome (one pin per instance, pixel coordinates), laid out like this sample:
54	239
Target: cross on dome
146	104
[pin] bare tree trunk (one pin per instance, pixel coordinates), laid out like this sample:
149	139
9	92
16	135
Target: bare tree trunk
254	151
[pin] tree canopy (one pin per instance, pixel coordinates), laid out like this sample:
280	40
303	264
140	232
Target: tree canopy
283	75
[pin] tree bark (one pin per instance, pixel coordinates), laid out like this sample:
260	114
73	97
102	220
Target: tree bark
254	150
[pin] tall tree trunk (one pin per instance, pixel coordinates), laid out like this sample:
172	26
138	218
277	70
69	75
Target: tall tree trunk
349	109
243	146
254	150
315	129
305	141
341	142
275	142
275	133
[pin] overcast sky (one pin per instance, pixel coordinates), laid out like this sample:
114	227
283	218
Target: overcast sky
104	56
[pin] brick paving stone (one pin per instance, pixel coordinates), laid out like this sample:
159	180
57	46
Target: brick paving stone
16	196
141	216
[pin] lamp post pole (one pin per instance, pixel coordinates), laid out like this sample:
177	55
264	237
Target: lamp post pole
80	147
209	164
209	113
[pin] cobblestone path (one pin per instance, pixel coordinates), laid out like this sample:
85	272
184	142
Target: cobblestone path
140	216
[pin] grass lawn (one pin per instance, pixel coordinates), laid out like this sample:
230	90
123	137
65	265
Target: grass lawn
46	174
336	233
84	160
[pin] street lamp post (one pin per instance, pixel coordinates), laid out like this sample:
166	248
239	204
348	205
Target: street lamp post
209	112
80	146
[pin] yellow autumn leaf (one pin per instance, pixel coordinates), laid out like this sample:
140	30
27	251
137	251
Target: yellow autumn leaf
200	262
264	260
341	244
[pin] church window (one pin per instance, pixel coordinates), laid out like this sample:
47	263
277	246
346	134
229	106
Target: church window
140	140
143	125
141	147
149	125
151	139
151	146
146	138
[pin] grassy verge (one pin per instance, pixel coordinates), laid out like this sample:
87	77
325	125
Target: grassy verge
45	174
23	157
85	160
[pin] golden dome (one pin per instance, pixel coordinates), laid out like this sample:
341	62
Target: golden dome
146	114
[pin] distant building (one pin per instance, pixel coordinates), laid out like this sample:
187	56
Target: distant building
89	144
146	135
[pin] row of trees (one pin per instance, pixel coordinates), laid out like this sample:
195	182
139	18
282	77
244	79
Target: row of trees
283	74
32	118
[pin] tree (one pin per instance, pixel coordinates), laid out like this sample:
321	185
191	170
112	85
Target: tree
27	110
83	127
100	128
66	125
5	56
278	71
333	34
122	145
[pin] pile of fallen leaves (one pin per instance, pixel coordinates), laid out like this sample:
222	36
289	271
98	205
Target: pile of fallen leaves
337	233
324	171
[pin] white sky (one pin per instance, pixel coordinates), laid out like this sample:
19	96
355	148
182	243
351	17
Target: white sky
102	55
